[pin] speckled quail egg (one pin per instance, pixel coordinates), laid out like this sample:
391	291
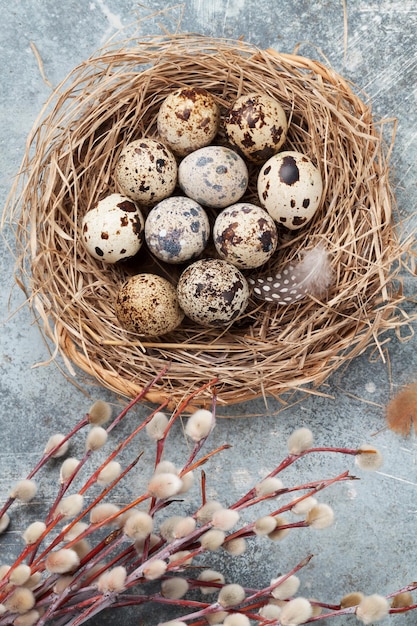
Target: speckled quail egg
290	188
245	234
113	230
212	292
146	171
147	304
177	229
214	176
188	119
257	126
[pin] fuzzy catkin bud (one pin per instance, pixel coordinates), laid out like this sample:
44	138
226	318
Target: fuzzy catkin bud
62	583
174	588
62	561
164	485
231	595
4	522
109	473
20	600
138	526
225	519
187	482
70	506
212	539
101	512
235	547
74	531
320	516
279	532
303	506
20	574
200	424
165	467
33	532
265	525
99	413
112	581
402	600
296	612
68	468
270	612
205	513
25	490
34	580
351	599
286	588
300	441
368	458
268	486
184	527
372	608
96	439
54	441
210	575
236	619
154	569
178	556
27	619
155	428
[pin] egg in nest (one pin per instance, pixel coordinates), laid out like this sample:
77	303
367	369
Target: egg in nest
188	119
113	230
177	229
290	188
147	304
257	126
212	292
146	171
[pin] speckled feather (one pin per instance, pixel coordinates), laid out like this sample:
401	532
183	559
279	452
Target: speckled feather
312	275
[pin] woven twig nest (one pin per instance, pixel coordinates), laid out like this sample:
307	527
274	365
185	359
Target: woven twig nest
113	98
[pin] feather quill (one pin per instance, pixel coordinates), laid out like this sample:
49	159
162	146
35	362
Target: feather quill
312	275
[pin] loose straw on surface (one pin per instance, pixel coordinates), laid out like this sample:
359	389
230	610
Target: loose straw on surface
114	98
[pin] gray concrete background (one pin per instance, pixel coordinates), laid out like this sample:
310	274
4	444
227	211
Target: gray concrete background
372	545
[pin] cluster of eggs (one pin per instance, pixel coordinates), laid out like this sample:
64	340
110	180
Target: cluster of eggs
176	229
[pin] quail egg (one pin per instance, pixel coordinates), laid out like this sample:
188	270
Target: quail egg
214	176
114	229
177	229
212	292
147	304
245	234
146	171
290	188
257	126
188	119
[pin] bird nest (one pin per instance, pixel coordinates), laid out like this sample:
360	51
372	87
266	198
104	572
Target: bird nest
113	98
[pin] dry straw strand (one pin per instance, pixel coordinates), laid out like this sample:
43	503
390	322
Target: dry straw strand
113	98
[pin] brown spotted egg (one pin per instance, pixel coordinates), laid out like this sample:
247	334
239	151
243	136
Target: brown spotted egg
257	126
214	176
114	229
147	304
245	234
212	292
290	189
177	229
188	119
146	171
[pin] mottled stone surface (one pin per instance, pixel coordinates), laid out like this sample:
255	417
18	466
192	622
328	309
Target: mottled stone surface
372	543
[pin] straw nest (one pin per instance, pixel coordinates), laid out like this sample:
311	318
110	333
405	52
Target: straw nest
113	98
